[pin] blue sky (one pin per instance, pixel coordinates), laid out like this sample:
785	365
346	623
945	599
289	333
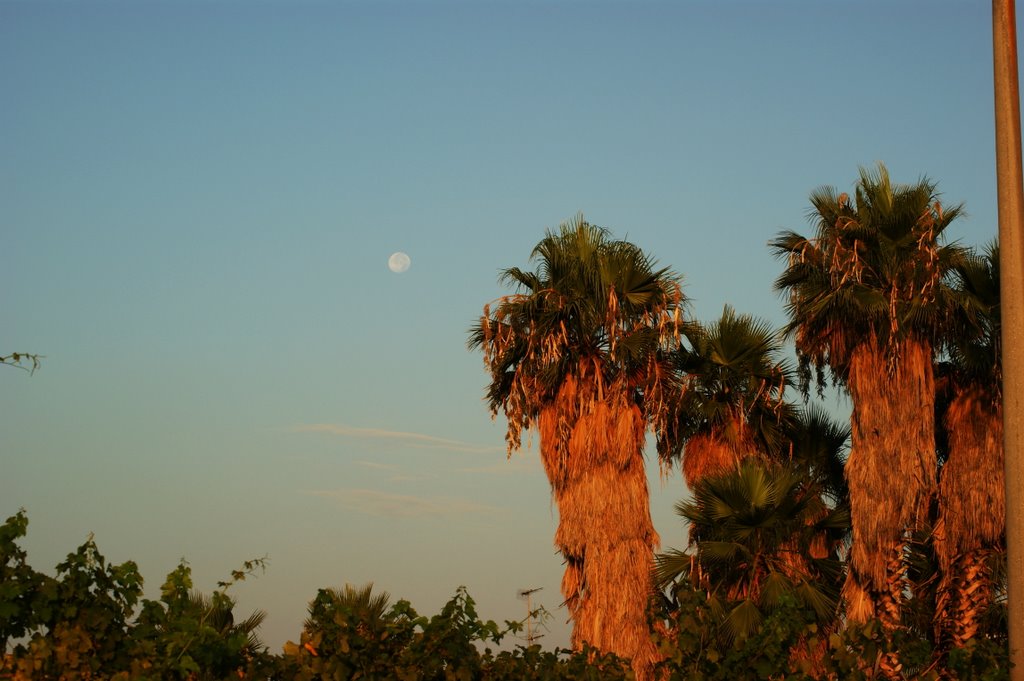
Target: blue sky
198	201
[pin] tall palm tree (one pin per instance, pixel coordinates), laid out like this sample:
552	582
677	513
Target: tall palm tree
971	505
577	354
867	295
732	406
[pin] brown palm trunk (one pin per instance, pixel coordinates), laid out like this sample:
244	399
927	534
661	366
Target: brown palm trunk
972	512
891	474
592	440
717	452
891	469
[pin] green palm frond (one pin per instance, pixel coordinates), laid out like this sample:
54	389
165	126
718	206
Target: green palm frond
972	346
820	446
753	532
818	599
736	380
743	620
591	301
358	602
776	588
671	566
877	266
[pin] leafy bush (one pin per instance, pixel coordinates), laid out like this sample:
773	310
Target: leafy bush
88	622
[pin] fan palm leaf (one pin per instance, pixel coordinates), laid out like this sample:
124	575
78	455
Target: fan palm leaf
753	529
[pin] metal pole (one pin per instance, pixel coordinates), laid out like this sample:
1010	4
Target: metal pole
529	619
1011	274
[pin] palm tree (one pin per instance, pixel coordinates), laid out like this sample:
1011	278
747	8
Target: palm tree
732	406
971	505
351	633
818	447
578	354
767	531
367	608
239	642
757	529
867	295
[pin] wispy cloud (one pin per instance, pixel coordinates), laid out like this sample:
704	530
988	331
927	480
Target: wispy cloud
375	502
519	464
412	477
413	439
398	473
379	466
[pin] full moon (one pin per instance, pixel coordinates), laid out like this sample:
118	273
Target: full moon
399	262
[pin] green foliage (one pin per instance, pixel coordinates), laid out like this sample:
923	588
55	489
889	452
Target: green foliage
983	659
18	360
345	637
188	635
694	645
789	644
79	627
748	600
754	534
24	593
82	623
735	378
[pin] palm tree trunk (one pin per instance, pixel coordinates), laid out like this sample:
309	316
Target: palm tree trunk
592	440
965	593
972	512
891	475
891	469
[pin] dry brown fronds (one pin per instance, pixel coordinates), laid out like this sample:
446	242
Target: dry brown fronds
604	520
972	513
863	604
965	592
860	607
972	501
891	468
592	438
890	600
717	452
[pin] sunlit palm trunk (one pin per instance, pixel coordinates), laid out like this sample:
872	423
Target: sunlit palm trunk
592	440
891	474
972	511
964	595
717	452
891	469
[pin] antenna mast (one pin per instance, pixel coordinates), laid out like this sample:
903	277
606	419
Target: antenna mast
526	594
